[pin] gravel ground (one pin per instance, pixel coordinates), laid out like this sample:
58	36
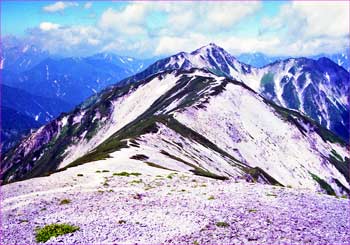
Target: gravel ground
156	207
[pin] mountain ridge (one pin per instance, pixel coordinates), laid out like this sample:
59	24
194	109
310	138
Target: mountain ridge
127	120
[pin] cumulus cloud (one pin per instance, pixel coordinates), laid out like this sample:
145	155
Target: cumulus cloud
152	28
312	20
310	28
128	21
66	40
59	6
48	26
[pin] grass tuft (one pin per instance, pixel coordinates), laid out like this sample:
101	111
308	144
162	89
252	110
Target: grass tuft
45	233
126	174
65	201
222	224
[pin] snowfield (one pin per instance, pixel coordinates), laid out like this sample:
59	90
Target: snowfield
162	206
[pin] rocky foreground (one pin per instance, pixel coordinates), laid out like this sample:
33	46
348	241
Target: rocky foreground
161	206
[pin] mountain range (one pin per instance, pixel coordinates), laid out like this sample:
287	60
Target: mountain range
318	88
39	86
208	114
259	59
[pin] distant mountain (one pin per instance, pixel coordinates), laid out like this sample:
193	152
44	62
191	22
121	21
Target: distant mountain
257	59
41	109
126	62
72	79
260	59
320	89
14	125
17	56
22	111
342	59
31	76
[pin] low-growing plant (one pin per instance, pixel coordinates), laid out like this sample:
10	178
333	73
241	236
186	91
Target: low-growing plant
211	198
135	174
45	233
252	210
105	171
65	201
271	195
136	181
80	175
98	171
222	224
126	174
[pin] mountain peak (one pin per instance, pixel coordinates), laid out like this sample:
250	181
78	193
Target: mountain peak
210	46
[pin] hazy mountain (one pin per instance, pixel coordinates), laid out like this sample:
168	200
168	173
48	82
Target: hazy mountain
259	59
22	111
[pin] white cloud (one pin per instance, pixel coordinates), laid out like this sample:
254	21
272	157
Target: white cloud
153	28
127	21
59	6
181	16
88	5
310	22
48	26
67	40
225	14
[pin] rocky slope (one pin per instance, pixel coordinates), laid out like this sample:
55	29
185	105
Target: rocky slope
162	206
192	121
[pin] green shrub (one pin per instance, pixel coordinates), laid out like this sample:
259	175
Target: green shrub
105	171
211	198
135	174
80	175
271	195
45	233
323	184
222	224
65	201
126	174
136	181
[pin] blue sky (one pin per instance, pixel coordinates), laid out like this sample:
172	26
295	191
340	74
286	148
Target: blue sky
160	28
